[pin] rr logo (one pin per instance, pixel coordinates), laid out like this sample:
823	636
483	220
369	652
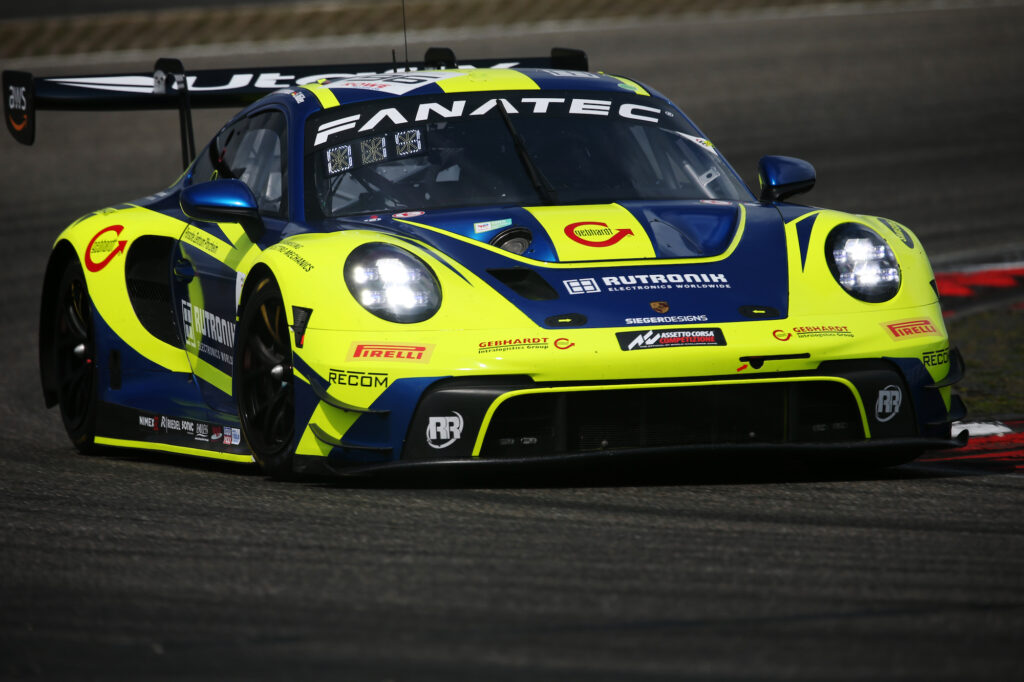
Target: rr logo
443	431
887	405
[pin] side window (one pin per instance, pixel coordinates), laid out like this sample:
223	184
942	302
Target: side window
253	152
209	162
202	169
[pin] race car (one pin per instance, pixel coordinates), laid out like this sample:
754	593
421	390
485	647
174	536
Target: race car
379	266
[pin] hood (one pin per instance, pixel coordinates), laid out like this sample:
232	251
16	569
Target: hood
628	263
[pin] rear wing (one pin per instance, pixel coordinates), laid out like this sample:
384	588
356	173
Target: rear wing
171	87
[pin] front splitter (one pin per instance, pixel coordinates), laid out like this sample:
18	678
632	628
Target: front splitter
320	466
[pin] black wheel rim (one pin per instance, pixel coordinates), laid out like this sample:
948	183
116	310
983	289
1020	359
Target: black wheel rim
266	393
76	370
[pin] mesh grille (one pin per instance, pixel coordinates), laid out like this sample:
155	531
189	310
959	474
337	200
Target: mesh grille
588	421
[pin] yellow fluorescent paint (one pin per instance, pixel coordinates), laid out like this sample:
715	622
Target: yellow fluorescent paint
105	278
814	291
635	87
178	449
211	374
311	445
206	242
323	94
480	80
594	232
333	421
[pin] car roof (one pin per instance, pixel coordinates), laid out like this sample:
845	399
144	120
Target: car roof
349	89
361	88
331	94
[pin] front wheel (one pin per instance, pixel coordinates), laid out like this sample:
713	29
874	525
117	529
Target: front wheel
74	352
263	380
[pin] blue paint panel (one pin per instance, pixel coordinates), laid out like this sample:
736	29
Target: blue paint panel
145	385
686	229
219	319
399	399
928	404
803	235
305	400
463	221
791	212
756	274
165	202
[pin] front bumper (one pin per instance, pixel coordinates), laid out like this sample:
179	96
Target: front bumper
880	405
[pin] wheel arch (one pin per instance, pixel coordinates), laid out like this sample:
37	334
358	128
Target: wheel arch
63	253
258	273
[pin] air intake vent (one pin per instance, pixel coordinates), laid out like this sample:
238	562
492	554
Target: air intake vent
526	283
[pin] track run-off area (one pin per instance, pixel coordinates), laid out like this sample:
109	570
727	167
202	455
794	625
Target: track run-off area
140	566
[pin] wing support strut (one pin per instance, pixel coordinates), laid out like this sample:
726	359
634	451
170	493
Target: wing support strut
168	74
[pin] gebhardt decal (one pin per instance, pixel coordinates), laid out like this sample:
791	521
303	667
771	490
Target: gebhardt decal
522	343
596	234
813	331
109	246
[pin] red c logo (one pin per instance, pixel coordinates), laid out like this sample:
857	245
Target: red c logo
92	265
564	343
781	335
612	236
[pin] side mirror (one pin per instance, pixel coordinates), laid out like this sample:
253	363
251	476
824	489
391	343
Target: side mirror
224	201
783	176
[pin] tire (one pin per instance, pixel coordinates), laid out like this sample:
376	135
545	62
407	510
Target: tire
263	381
74	363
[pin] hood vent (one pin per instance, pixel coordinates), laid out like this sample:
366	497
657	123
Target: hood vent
526	283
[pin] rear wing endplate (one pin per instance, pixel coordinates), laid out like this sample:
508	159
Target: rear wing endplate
171	87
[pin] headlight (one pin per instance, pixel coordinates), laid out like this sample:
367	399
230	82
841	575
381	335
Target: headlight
392	283
862	263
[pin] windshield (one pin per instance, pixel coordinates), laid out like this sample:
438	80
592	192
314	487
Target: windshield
460	150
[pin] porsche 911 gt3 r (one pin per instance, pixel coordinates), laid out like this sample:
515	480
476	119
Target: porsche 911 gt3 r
526	261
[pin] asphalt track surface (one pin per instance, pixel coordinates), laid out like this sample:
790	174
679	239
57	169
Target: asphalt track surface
142	567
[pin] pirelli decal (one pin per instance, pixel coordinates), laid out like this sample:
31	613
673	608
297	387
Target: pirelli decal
901	330
390	352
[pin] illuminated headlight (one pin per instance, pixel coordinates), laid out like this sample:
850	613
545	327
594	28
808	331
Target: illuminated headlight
392	283
862	263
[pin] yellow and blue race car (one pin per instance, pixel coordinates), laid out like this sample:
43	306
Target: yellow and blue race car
375	266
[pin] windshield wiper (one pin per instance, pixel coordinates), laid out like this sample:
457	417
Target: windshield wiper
540	183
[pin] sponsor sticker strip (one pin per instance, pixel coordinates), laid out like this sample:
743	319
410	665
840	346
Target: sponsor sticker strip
524	343
457	108
200	431
640	282
670	338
